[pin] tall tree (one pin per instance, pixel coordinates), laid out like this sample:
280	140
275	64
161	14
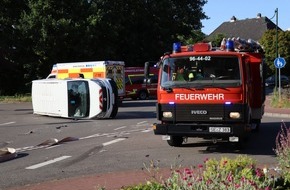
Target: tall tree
268	41
51	31
10	41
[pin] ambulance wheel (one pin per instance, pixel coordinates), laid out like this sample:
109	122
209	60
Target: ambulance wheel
143	95
115	105
175	141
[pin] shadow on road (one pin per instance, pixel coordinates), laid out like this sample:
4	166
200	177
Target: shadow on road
257	143
140	103
136	115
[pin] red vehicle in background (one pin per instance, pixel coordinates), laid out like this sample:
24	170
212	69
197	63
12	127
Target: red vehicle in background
139	87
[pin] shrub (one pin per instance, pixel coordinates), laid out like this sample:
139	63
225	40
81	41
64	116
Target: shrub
239	173
16	98
283	152
283	101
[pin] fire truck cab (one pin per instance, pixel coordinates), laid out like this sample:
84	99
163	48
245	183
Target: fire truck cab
210	93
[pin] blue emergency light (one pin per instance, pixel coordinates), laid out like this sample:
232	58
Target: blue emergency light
176	47
230	45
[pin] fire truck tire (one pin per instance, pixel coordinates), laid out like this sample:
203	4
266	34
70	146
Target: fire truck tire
143	95
242	143
257	122
115	106
175	141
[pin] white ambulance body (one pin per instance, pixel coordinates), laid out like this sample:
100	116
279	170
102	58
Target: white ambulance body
75	98
92	69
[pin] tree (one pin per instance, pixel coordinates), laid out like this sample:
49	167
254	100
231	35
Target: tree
10	40
268	41
52	31
217	39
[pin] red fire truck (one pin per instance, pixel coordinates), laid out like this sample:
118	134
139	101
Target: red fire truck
211	93
139	87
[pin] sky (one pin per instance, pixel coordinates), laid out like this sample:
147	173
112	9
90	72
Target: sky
220	11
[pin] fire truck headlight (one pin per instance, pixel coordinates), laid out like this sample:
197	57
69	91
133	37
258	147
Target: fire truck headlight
167	114
235	115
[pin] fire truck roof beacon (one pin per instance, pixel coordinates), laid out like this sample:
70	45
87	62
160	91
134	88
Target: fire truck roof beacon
176	47
230	45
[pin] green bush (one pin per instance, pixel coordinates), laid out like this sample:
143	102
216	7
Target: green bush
283	153
16	98
239	173
283	101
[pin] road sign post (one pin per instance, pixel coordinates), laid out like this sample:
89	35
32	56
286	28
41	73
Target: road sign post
279	63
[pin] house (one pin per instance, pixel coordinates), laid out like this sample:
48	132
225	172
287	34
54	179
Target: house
253	28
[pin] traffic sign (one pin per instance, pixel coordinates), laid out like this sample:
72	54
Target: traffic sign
279	62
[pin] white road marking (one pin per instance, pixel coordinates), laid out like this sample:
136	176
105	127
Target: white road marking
47	162
114	134
120	128
92	136
147	130
50	147
113	141
142	122
8	123
65	157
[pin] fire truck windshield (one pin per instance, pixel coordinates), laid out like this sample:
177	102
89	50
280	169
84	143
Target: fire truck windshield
201	71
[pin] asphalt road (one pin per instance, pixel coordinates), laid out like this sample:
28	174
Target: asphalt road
100	146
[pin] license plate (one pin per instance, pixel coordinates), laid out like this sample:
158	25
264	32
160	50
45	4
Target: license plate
219	129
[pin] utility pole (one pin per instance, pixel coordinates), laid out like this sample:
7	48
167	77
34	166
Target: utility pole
277	53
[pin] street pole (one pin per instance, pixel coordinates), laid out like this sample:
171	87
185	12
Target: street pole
276	12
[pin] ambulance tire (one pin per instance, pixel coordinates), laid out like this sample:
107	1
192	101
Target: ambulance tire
143	95
175	141
115	105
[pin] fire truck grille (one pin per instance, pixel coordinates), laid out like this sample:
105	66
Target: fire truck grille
205	112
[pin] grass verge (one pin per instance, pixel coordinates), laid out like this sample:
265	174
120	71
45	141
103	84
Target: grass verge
15	99
283	101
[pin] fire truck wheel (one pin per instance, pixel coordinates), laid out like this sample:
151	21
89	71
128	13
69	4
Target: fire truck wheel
175	141
143	95
257	123
242	143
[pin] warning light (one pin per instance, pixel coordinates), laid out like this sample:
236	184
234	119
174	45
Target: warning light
176	47
230	45
201	47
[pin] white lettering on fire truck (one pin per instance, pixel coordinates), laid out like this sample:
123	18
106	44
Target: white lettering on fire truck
199	96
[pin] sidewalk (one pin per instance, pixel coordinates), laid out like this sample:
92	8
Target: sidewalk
275	112
117	180
108	181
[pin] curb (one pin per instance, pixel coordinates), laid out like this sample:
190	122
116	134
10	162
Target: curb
279	115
